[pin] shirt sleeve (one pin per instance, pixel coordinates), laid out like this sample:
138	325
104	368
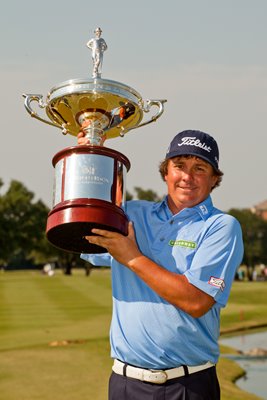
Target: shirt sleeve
98	260
217	258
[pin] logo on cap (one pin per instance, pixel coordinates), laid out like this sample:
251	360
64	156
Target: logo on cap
193	141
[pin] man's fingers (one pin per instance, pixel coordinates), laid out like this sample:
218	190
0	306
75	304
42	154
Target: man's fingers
95	239
98	240
103	232
100	235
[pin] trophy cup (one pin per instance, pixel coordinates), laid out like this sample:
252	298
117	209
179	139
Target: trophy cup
89	182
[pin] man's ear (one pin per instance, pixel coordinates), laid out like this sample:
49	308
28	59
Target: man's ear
215	181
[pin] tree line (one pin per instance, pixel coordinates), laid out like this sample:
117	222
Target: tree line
23	241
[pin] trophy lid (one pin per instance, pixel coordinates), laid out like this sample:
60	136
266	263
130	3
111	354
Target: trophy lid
115	105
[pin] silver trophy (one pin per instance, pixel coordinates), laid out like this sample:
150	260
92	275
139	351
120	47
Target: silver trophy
89	183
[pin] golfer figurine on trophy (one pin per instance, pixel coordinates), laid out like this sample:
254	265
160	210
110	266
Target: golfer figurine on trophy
98	46
89	182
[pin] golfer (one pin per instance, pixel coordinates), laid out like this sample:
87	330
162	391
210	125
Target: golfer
171	276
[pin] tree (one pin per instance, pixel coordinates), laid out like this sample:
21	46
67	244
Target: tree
149	194
22	223
254	230
23	240
129	196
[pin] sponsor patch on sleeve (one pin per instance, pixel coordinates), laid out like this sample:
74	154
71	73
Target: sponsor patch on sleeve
218	282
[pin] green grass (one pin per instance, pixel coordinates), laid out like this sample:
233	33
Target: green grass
247	307
54	335
37	311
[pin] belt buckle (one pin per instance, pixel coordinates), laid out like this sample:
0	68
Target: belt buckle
156	376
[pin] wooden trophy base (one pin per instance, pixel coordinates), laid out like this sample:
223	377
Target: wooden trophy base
69	222
89	190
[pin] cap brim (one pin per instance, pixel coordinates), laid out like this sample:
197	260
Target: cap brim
188	153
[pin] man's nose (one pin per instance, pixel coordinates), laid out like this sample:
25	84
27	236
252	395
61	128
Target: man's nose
187	175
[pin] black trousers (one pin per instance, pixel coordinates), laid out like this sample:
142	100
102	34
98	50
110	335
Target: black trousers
201	385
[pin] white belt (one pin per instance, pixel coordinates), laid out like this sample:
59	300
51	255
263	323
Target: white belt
156	376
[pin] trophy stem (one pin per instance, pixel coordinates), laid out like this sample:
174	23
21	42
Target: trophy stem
95	136
93	128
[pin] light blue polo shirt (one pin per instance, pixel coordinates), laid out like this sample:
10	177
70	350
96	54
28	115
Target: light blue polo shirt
205	245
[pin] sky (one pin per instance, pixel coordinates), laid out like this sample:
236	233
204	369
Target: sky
207	58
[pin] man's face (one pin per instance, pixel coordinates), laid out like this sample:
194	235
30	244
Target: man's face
189	182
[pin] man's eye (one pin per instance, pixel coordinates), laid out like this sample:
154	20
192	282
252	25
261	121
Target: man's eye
200	168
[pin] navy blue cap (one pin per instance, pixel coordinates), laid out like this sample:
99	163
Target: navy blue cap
195	143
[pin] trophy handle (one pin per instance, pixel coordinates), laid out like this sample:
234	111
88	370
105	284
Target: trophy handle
146	108
39	98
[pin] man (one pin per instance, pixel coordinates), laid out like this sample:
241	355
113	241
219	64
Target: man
171	276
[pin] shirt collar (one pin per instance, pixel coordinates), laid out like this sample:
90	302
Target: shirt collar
162	206
204	208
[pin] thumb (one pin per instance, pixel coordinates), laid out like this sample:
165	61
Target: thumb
131	233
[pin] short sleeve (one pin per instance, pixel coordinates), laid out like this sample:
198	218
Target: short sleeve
217	258
99	260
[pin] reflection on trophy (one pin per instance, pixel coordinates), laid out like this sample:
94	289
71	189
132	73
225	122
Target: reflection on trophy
89	182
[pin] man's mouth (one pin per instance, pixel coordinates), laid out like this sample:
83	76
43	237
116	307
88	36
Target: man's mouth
186	188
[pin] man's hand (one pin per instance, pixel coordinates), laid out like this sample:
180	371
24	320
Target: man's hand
123	248
82	139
